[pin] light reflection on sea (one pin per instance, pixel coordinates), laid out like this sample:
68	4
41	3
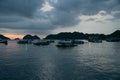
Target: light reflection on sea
90	61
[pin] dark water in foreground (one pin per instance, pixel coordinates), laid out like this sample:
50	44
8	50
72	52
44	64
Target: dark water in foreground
91	61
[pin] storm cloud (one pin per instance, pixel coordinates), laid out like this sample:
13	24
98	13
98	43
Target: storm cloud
31	16
19	7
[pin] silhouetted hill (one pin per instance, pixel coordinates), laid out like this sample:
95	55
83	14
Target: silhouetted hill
17	39
114	37
30	37
74	35
35	37
3	37
115	34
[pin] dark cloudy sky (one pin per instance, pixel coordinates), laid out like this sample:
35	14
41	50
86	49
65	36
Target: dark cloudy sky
53	16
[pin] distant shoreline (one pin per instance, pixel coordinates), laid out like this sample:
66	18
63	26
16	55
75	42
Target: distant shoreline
73	35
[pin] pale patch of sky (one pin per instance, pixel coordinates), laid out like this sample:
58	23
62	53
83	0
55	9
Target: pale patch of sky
101	16
46	7
99	23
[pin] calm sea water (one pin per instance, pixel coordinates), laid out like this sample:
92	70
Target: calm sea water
90	61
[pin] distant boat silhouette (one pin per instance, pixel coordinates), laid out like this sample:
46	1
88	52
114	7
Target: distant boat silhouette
24	41
113	39
77	42
4	41
94	40
64	44
41	42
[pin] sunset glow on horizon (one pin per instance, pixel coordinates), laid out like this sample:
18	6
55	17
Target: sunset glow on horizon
13	36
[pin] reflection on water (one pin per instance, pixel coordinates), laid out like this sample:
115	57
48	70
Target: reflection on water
90	61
